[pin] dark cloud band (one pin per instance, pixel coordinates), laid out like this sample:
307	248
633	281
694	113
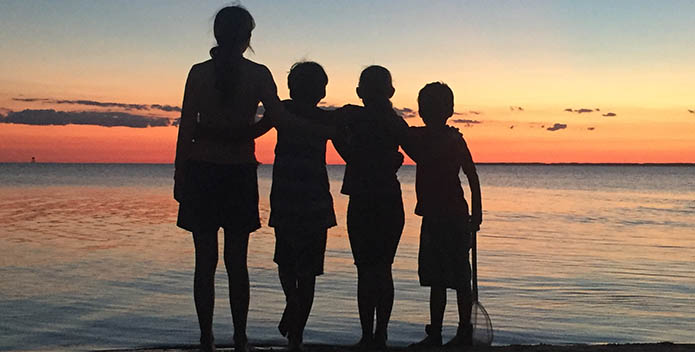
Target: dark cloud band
126	106
52	117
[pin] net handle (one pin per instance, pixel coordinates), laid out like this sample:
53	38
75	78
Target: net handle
474	264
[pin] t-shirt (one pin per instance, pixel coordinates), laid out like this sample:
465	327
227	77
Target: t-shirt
368	141
439	153
300	194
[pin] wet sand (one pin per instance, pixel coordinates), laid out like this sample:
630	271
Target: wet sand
652	347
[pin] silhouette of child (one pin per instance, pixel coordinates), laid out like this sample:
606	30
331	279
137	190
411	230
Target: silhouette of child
440	152
368	141
215	180
300	199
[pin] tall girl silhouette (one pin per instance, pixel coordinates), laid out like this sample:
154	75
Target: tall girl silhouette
215	179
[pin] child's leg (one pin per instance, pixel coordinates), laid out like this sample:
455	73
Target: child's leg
465	303
288	280
235	254
437	307
204	283
434	329
385	302
464	333
305	295
366	300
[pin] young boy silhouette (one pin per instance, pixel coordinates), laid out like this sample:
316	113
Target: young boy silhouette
368	141
440	152
300	199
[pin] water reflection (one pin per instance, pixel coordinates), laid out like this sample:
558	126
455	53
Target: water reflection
610	265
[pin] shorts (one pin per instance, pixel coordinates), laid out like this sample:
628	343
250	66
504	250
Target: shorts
443	255
218	195
299	250
375	224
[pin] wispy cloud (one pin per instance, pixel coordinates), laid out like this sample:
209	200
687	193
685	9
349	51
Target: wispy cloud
407	113
557	126
591	128
329	107
125	106
469	112
582	110
467	122
52	117
691	111
516	108
610	114
30	100
511	127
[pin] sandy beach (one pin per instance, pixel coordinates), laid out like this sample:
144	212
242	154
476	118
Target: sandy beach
650	347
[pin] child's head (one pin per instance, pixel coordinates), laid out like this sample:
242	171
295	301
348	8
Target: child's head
232	28
375	85
435	103
307	82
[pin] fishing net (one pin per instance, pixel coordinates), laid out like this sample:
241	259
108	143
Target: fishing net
480	320
482	325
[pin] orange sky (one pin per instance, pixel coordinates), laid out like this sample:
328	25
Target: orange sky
632	59
494	142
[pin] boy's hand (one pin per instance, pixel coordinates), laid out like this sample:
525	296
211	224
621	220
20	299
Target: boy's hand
476	220
473	226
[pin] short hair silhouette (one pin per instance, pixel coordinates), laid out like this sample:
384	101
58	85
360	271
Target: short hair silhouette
232	28
307	82
375	84
435	102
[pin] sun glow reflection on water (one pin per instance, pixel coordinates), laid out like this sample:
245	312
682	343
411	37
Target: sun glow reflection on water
90	258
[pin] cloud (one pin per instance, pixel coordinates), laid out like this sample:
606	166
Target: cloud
516	108
165	107
511	127
691	111
582	110
102	104
30	100
469	112
260	111
610	114
407	113
328	107
591	128
52	117
557	126
467	121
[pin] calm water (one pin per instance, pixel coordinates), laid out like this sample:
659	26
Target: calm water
90	258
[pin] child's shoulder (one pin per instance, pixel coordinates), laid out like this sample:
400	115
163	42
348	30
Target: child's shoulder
349	108
346	113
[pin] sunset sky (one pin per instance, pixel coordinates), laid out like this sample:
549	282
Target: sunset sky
534	81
